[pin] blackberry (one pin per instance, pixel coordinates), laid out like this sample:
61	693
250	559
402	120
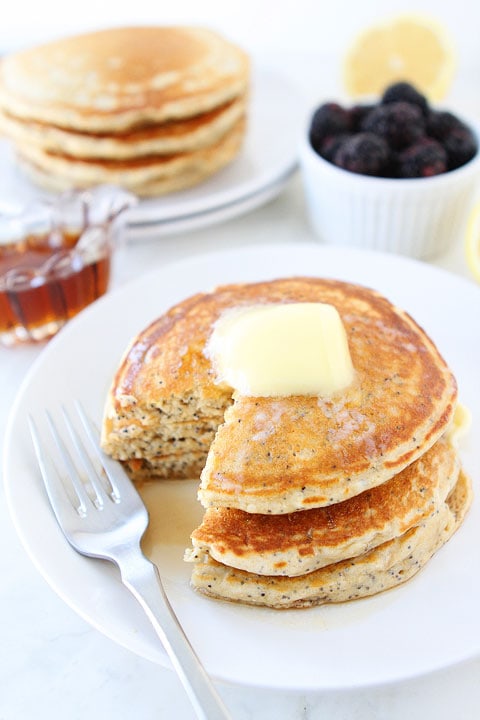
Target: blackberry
328	119
357	114
404	92
460	145
441	123
424	159
399	123
363	153
331	144
392	168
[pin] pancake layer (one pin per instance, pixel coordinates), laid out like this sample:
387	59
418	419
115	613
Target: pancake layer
298	543
175	136
145	175
121	78
382	568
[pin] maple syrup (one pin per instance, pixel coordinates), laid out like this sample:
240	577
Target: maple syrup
55	259
42	286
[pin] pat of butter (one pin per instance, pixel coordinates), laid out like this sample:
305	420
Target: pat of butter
285	349
461	423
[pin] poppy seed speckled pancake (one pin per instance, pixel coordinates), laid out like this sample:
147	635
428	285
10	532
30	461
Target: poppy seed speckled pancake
382	568
118	78
278	455
298	543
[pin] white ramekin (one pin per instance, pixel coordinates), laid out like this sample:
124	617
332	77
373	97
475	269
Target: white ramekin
419	217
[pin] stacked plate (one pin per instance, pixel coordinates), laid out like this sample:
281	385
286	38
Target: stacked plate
259	173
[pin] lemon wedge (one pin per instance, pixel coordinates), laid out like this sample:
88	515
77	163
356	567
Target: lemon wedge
411	48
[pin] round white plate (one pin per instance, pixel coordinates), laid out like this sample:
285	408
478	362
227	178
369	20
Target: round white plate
428	623
199	220
269	154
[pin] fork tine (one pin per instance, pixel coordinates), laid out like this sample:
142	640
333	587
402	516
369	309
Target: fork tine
70	466
57	494
101	495
115	473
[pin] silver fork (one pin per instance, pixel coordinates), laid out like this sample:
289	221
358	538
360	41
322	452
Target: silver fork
102	516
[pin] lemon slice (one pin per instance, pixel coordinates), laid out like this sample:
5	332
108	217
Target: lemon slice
472	244
411	48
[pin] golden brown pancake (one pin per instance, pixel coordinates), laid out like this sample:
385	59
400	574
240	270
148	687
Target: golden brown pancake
298	543
144	175
121	78
278	455
174	136
384	567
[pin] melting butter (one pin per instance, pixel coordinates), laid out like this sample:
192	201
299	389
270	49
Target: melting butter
460	425
280	350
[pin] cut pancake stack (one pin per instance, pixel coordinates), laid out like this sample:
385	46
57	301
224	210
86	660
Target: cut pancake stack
153	109
308	499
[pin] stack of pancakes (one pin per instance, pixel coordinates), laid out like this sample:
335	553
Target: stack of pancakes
152	109
308	499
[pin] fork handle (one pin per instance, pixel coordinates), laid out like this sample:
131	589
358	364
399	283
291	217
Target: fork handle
141	577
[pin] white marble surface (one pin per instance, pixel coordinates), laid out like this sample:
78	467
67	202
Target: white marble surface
55	666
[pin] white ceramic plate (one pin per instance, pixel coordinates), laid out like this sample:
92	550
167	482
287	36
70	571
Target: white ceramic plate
146	231
269	154
429	623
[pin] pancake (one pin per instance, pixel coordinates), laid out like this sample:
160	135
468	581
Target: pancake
382	568
144	175
301	542
171	467
171	137
119	78
279	455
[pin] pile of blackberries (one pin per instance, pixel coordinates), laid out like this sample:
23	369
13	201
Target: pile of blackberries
400	137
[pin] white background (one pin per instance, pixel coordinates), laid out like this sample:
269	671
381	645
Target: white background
325	27
320	31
